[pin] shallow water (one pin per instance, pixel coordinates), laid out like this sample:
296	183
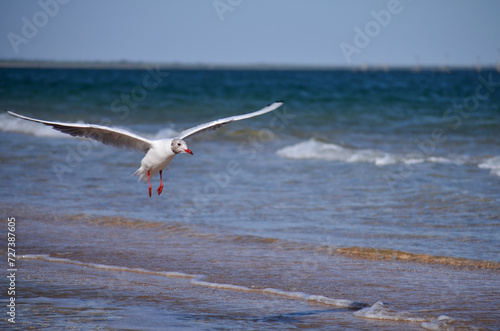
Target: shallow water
116	272
340	194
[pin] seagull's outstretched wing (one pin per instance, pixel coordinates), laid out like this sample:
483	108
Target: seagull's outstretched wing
218	123
109	136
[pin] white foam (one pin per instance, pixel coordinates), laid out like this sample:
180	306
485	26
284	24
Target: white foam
439	159
313	149
438	324
444	322
222	286
316	298
382	312
172	274
336	302
34	256
198	280
493	164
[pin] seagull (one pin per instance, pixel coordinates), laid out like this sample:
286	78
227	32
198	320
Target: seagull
159	153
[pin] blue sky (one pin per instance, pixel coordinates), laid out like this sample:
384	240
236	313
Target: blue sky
302	32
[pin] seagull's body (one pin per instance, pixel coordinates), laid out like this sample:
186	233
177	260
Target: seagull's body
156	160
159	153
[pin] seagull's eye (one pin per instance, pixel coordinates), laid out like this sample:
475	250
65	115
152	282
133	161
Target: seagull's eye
178	144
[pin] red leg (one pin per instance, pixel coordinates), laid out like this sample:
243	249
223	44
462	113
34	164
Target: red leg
161	184
149	180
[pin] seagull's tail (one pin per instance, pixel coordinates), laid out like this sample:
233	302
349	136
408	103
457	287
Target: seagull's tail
142	173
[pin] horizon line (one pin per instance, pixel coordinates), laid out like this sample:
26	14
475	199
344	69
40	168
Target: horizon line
133	65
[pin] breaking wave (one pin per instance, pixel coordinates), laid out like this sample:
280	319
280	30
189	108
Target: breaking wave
313	149
493	164
381	311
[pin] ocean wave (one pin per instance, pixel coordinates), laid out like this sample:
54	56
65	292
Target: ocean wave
493	164
313	149
444	322
382	312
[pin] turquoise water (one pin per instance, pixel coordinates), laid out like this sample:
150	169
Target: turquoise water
397	160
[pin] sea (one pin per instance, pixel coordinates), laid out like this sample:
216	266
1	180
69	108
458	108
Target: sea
369	201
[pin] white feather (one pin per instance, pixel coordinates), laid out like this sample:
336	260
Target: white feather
159	153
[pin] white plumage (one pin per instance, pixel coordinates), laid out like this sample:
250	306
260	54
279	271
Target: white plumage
159	153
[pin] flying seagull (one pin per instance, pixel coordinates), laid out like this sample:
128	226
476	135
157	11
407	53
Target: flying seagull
159	153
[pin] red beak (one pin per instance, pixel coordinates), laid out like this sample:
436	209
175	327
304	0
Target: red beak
187	150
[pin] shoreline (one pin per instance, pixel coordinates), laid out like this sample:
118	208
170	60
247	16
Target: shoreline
381	254
350	252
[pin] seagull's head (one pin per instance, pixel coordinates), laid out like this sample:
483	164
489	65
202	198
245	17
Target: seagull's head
179	146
